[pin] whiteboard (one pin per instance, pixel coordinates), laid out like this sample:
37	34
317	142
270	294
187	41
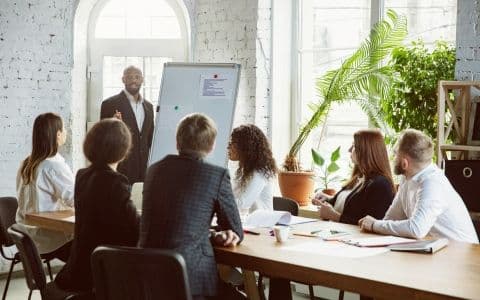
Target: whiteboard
188	88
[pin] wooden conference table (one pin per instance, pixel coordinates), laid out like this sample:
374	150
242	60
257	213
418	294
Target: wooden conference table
452	273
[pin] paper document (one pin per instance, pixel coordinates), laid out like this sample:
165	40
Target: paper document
337	249
268	218
325	234
297	220
215	86
378	241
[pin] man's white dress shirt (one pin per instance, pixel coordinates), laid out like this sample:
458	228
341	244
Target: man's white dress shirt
427	204
137	107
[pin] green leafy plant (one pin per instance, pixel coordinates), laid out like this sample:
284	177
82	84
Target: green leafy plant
412	102
362	77
327	170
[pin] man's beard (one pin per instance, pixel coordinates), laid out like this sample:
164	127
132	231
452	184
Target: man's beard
397	169
132	91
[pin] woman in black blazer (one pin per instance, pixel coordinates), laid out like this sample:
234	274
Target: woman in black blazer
104	213
371	185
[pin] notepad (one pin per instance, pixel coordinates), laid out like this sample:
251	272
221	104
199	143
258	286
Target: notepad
378	241
431	246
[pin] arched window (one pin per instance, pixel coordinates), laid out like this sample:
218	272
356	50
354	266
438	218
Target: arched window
144	33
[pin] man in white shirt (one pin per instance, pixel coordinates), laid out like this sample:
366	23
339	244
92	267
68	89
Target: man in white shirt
137	113
426	203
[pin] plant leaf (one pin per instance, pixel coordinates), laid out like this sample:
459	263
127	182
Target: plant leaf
333	167
335	155
363	75
317	158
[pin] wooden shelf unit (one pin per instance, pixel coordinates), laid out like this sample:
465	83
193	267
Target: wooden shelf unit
459	110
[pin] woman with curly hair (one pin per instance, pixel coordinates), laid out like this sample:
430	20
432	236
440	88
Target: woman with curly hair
252	185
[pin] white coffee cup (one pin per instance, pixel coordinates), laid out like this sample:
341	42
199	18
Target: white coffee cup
281	233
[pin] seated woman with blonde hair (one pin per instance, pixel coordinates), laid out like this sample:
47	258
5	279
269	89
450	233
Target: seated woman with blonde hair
370	190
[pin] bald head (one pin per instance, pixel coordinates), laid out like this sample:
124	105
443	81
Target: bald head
132	79
131	69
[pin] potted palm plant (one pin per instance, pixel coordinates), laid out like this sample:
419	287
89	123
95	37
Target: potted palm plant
362	77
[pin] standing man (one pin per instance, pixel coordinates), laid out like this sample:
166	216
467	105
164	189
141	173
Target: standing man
137	113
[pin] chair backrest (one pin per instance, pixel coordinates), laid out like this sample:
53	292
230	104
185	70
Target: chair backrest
285	204
135	273
8	209
32	265
476	222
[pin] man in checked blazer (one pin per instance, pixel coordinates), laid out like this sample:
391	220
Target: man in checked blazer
181	194
137	113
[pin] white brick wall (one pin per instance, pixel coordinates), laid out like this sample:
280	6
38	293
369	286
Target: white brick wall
468	40
35	64
36	70
238	31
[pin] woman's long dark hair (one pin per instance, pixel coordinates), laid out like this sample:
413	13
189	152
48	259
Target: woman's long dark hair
254	151
44	144
371	155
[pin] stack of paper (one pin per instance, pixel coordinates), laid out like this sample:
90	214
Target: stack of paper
268	218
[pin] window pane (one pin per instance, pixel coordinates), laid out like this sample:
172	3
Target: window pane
152	69
140	19
331	31
428	19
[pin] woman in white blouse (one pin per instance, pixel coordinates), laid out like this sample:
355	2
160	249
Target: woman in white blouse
45	183
252	184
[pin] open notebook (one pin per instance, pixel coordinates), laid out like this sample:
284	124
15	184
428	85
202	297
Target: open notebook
268	218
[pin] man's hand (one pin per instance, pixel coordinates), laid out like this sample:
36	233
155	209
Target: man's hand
366	223
117	115
226	238
327	212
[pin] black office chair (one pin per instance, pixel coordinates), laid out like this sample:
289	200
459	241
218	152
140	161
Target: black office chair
33	268
285	204
134	273
8	210
476	222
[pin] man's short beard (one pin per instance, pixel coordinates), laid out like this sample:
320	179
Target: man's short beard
132	91
398	170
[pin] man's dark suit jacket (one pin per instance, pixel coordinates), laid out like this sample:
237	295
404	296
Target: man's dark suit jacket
135	165
104	215
180	195
372	198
